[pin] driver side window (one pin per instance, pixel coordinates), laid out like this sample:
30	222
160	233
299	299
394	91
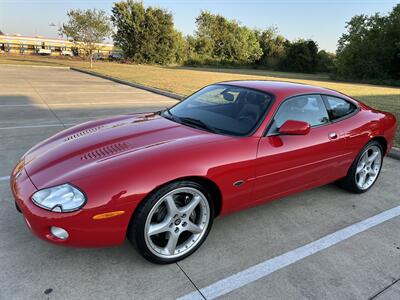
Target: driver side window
306	108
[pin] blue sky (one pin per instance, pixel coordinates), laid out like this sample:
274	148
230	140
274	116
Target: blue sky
321	20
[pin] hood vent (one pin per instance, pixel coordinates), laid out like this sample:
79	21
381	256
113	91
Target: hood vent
83	133
106	151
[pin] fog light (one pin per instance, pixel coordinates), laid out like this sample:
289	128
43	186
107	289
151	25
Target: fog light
59	232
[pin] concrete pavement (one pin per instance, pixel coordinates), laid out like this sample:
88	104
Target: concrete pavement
38	102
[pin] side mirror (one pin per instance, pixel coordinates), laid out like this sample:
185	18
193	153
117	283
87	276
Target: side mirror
292	127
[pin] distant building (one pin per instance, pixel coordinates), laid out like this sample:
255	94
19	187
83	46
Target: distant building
17	44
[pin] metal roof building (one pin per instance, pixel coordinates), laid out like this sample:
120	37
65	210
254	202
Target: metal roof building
18	44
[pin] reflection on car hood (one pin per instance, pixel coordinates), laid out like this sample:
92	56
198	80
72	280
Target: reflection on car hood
84	145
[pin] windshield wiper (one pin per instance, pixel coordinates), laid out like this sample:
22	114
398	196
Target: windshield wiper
190	121
198	123
172	116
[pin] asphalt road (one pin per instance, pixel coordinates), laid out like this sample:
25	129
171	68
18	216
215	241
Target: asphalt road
38	102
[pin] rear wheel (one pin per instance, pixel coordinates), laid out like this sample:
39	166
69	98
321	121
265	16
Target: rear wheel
365	169
173	222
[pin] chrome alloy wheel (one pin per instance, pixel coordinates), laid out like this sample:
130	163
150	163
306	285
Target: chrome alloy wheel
368	167
177	222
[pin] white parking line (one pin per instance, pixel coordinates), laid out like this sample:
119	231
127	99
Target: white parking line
4	178
269	266
89	103
32	126
75	121
22	105
95	92
78	121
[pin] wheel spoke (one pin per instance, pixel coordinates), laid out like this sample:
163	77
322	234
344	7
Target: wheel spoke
170	202
373	156
156	228
360	167
188	209
193	228
372	172
364	158
361	179
172	241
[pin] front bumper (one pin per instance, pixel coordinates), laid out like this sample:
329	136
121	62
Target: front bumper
82	229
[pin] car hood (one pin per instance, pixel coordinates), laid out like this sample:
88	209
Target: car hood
63	157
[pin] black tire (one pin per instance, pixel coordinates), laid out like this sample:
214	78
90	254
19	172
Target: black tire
349	182
136	230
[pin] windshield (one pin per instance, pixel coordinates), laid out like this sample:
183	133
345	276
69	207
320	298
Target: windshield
222	109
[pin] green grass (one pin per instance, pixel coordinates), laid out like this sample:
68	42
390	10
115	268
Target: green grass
185	80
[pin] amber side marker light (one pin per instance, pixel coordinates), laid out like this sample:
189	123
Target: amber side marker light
108	215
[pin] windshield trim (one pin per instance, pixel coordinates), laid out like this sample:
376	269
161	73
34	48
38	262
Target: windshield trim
223	132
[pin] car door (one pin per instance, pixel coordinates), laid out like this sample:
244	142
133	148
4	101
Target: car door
290	163
341	112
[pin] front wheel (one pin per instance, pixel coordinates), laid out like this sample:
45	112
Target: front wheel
365	169
173	222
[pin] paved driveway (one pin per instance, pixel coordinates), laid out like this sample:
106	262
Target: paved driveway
38	102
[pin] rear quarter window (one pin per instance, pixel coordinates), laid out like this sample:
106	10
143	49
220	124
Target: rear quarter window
339	108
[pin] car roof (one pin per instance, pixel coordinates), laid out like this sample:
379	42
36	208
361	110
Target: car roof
282	89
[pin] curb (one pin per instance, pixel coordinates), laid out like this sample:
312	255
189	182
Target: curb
394	153
132	84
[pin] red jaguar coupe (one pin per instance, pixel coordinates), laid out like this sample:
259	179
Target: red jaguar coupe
160	178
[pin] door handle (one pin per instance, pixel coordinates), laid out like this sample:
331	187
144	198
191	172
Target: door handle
333	135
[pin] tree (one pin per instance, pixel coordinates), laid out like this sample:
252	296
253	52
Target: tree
181	48
146	35
325	61
1	32
370	48
222	40
359	53
392	39
301	56
87	28
272	45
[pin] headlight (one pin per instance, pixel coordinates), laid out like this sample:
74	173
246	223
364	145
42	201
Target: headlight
62	198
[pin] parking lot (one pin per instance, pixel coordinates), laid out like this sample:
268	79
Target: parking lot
36	102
